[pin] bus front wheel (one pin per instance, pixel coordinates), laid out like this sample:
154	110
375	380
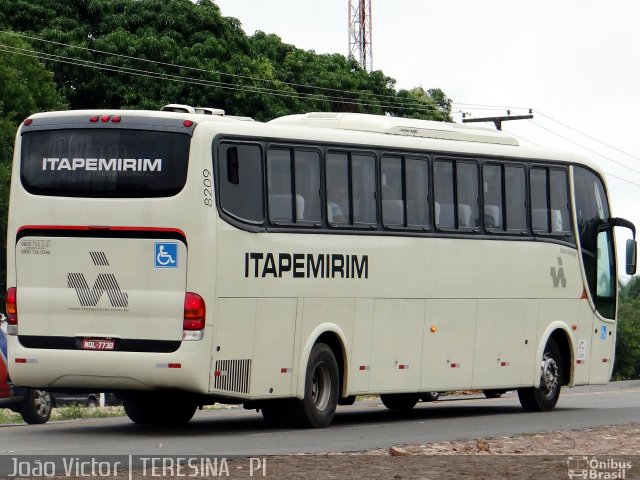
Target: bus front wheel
546	396
322	382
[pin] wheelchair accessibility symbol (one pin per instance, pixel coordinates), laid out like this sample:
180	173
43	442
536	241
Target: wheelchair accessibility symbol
166	255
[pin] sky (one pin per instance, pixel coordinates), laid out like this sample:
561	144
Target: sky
575	62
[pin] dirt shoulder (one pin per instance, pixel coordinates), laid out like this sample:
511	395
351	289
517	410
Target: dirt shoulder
605	452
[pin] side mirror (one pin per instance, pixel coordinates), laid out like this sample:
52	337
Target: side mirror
632	254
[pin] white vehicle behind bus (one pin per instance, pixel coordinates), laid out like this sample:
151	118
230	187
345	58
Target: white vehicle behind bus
194	258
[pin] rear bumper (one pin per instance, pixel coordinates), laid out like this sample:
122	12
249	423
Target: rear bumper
185	369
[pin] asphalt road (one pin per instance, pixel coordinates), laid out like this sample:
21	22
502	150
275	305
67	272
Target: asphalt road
363	426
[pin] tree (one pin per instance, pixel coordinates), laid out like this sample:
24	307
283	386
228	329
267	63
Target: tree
26	87
145	53
632	289
627	364
418	103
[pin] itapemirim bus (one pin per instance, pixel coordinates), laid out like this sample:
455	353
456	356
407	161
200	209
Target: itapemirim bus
184	257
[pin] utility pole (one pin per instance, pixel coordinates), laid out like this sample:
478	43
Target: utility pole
497	121
360	25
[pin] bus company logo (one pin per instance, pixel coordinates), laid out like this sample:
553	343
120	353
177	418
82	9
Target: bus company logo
557	275
106	282
300	265
102	164
594	468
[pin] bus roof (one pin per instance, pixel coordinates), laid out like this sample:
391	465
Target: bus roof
399	126
353	128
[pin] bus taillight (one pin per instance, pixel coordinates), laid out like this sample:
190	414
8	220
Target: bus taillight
194	317
12	311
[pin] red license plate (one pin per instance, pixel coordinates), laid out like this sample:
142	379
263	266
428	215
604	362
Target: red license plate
98	344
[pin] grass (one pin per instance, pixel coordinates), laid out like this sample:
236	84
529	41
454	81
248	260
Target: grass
68	412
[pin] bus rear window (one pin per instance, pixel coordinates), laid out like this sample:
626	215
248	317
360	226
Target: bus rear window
104	163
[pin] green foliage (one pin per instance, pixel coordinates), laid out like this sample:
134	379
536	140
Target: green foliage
204	59
627	363
631	290
9	416
69	412
147	53
628	338
26	86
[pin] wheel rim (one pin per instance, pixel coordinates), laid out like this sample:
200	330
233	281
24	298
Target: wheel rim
550	375
321	386
41	402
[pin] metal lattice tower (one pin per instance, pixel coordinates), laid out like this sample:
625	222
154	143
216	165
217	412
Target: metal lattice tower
360	33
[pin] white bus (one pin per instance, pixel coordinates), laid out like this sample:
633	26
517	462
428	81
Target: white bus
183	258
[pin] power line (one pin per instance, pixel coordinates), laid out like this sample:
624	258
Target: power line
586	135
606	172
400	100
191	80
622	179
584	147
271	91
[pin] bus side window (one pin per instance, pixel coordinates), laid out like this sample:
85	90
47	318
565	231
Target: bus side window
549	201
405	192
443	193
467	193
456	194
392	204
337	185
363	187
293	179
493	196
559	201
279	185
515	198
233	174
417	186
307	184
539	207
241	182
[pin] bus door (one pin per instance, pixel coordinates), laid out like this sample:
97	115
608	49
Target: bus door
597	243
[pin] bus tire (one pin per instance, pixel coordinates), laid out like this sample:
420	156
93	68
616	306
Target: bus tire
493	393
142	409
400	401
36	408
546	396
275	413
429	396
321	385
92	403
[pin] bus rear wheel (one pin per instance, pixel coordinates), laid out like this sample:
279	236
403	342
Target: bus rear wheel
545	397
322	382
400	401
